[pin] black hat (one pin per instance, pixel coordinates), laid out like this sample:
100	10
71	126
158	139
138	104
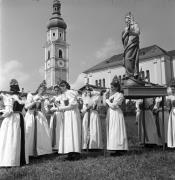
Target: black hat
64	83
14	85
115	82
56	86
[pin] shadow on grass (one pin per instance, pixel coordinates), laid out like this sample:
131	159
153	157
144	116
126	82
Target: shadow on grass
43	158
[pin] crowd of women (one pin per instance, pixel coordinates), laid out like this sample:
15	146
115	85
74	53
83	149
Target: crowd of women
24	134
27	130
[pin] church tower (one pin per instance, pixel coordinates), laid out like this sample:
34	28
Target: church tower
56	48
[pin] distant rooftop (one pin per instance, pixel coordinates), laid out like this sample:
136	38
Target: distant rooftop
171	53
117	60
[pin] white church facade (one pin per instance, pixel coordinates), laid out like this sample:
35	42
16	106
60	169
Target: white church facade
56	48
156	66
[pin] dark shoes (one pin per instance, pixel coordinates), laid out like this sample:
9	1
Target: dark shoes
118	153
73	156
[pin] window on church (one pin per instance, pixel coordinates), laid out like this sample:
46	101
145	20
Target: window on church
60	53
48	55
60	35
104	83
100	82
54	34
96	82
148	75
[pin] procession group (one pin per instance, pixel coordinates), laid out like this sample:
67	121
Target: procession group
23	135
30	134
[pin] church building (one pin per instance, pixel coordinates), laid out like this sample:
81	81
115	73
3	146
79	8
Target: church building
156	66
56	48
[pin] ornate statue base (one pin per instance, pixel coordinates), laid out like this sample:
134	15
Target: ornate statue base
132	82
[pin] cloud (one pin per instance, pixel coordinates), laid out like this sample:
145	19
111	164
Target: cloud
9	70
110	48
80	82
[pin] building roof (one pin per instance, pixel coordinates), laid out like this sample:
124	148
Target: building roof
171	53
92	86
117	60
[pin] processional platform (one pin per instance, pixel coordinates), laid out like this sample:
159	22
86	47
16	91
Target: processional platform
139	92
142	92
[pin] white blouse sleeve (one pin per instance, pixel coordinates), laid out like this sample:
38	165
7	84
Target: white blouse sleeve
29	101
20	101
117	101
72	98
8	110
8	102
104	99
84	108
46	103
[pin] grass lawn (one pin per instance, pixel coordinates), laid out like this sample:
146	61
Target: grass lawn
138	163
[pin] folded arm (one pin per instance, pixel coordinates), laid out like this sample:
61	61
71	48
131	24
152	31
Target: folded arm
29	103
72	105
116	103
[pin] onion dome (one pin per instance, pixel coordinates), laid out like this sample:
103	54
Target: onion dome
56	20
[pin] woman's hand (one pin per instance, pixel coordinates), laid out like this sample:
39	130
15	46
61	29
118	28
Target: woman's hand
53	109
60	109
57	103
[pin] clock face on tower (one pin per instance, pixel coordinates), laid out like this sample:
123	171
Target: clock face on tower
60	63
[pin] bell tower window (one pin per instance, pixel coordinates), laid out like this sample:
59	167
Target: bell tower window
48	55
60	53
54	34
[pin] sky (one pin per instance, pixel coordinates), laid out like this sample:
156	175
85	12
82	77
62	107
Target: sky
94	34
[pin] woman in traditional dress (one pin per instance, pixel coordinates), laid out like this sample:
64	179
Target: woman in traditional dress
91	125
1	108
149	130
138	113
116	130
70	132
171	120
56	119
159	121
37	130
137	110
12	144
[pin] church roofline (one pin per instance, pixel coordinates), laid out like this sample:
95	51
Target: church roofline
117	60
171	53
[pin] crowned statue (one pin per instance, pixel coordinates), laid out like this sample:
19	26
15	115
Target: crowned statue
130	40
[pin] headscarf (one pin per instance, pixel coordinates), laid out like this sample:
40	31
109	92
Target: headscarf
14	87
43	84
116	83
65	83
